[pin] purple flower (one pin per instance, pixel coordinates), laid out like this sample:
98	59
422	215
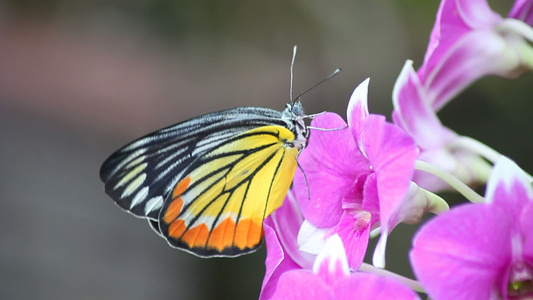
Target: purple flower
281	231
438	145
468	41
330	278
358	178
481	251
523	10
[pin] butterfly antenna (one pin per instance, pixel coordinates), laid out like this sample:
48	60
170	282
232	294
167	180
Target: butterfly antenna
292	71
337	71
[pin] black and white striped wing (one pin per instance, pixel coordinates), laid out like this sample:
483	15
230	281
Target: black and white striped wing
140	176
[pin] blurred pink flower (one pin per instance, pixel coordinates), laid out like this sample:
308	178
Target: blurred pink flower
330	278
481	251
437	143
522	10
468	41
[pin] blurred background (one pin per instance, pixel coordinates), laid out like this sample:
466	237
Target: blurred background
78	79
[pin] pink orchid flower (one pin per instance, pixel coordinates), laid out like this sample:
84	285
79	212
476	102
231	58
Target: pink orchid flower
358	178
481	251
330	278
438	144
468	41
281	232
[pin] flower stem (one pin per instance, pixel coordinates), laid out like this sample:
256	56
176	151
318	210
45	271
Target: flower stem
413	284
478	147
457	184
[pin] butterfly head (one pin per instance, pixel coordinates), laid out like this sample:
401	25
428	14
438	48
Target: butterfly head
294	116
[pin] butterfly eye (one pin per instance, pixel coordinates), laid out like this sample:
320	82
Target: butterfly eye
297	109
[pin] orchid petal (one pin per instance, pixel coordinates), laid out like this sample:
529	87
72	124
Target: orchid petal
331	263
378	258
451	260
413	112
450	255
281	231
330	266
523	10
508	185
311	239
455	19
370	286
331	279
358	110
371	197
302	284
417	203
392	153
526	223
354	230
277	263
287	221
331	161
475	13
474	55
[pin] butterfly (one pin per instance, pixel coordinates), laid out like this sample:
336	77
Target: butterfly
206	184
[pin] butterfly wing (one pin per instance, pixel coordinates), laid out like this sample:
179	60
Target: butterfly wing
218	206
141	175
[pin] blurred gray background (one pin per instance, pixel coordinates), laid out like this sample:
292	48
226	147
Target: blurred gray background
78	79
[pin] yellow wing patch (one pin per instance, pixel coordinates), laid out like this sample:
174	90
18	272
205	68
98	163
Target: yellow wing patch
219	207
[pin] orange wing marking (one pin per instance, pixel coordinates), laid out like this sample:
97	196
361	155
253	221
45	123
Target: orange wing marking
196	236
176	205
222	235
248	234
